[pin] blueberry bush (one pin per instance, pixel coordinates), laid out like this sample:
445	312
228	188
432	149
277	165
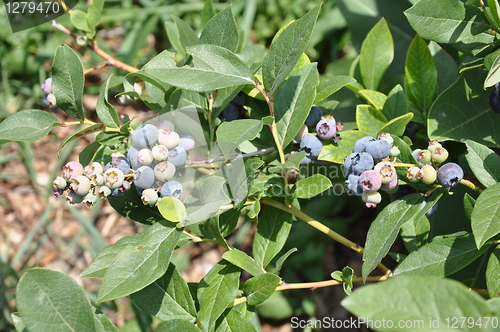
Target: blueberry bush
408	123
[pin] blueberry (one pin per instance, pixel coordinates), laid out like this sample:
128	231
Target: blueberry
144	177
312	146
494	101
412	173
240	99
371	198
113	178
47	86
314	116
93	168
370	181
133	157
59	183
159	152
145	136
359	146
74	198
164	171
104	192
119	162
303	132
81	185
230	113
177	156
165	124
390	185
433	145
145	156
89	199
306	161
439	155
450	175
427	174
186	142
171	189
387	171
149	196
71	170
50	101
326	129
353	185
357	163
378	149
168	138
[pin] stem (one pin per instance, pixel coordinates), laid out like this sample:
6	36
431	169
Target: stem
483	292
99	66
90	123
402	165
322	228
471	185
209	117
327	283
237	301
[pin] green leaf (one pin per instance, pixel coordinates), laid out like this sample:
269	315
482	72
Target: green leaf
293	102
243	261
214	68
102	323
207	13
167	298
377	53
442	257
27	126
328	85
469	204
396	104
450	22
79	134
385	228
234	321
286	50
172	209
272	232
177	325
281	260
216	291
484	163
336	153
18	323
312	186
105	111
94	13
494	9
374	98
397	125
139	264
235	133
485	216
68	81
369	120
130	206
493	273
421	74
260	288
52	301
431	301
221	30
459	115
493	74
180	35
79	19
415	232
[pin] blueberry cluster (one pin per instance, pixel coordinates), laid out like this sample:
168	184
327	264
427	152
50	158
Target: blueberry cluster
87	184
325	127
231	112
156	156
494	99
49	100
429	171
367	172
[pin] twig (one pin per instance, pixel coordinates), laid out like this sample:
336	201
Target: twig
246	155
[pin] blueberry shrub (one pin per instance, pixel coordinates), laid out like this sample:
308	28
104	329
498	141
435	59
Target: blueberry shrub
408	125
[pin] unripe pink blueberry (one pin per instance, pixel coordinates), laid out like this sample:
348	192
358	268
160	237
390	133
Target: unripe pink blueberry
370	181
164	171
168	138
326	128
386	170
47	86
159	152
371	198
413	173
71	170
81	185
145	156
427	174
149	197
391	185
186	142
439	155
113	178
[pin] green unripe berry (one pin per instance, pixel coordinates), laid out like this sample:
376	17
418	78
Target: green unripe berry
412	173
428	174
424	156
433	144
371	199
439	155
149	197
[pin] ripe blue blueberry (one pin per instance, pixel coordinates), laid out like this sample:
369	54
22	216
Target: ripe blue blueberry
494	99
314	116
144	177
145	136
357	163
450	175
133	157
177	156
326	129
171	189
359	146
240	99
230	113
378	149
353	185
312	146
